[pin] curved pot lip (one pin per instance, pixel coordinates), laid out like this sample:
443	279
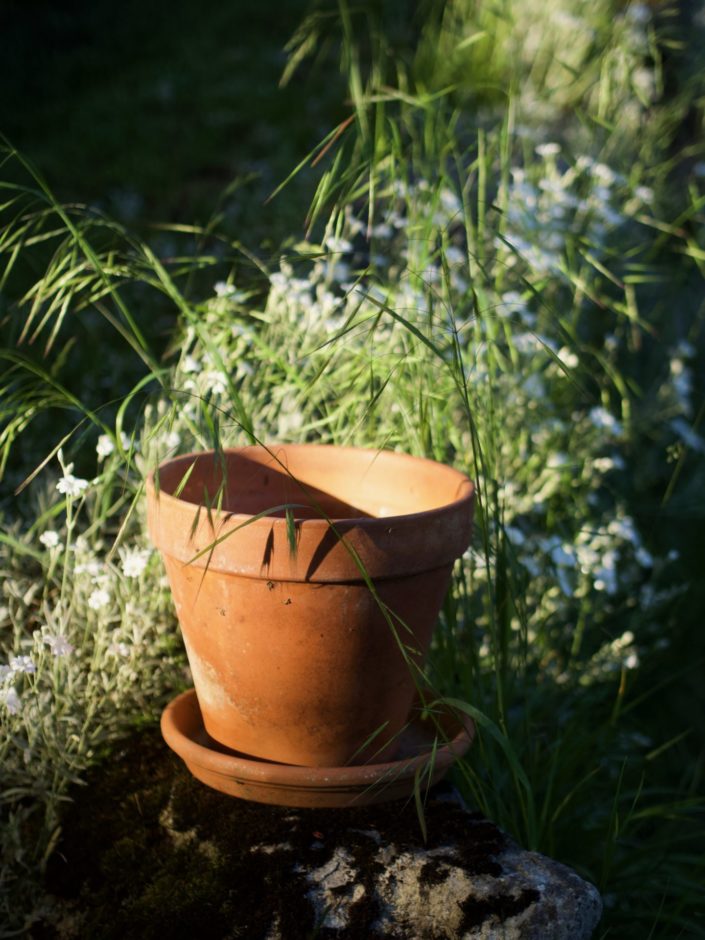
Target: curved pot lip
465	486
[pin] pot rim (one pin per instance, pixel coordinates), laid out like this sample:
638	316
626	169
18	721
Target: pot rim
465	487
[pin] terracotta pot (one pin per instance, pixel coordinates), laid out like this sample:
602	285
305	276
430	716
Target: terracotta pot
302	656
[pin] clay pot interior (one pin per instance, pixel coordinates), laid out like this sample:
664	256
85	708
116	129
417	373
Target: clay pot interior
334	482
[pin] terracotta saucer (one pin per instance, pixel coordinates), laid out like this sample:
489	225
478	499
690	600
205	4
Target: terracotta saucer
287	785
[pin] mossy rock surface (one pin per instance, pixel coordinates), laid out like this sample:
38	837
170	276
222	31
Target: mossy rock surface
149	852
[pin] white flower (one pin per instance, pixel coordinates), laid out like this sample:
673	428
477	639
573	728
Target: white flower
190	364
450	202
604	421
563	556
604	174
98	599
622	642
534	387
91	567
173	439
288	424
568	358
12	700
59	645
382	230
355	226
222	289
514	535
623	527
119	649
70	485
335	244
548	150
513	303
688	435
430	275
556	460
20	664
49	539
682	383
525	343
513	300
105	446
134	561
638	13
339	271
217	382
606	575
455	255
684	350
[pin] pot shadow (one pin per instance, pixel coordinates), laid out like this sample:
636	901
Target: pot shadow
238	485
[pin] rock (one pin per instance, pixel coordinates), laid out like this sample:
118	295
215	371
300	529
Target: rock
433	893
148	852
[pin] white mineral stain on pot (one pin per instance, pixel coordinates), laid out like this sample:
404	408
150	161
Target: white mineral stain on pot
208	686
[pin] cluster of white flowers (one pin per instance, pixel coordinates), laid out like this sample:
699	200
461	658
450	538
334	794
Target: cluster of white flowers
134	561
99	598
229	292
106	445
676	393
58	644
17	666
50	539
620	653
208	374
71	486
22	664
604	420
318	308
585	200
10	698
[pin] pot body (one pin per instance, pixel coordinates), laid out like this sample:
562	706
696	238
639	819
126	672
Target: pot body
304	634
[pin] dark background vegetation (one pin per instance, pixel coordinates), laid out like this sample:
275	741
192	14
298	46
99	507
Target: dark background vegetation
158	114
152	110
